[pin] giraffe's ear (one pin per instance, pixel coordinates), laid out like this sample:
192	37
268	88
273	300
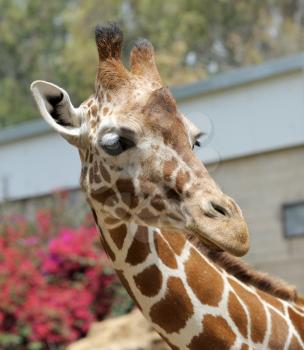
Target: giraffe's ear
56	108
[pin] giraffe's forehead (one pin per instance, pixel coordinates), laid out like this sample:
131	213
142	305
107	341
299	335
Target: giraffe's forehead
161	115
144	109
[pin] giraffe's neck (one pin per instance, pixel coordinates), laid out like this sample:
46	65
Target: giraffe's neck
191	302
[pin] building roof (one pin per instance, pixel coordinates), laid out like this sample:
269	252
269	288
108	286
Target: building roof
234	78
241	76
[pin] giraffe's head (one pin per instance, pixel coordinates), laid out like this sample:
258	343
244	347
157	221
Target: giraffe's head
136	149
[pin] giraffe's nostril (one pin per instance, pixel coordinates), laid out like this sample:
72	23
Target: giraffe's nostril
219	209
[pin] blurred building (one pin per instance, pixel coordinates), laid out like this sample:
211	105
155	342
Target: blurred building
254	148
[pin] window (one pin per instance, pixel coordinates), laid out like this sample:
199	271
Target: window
293	219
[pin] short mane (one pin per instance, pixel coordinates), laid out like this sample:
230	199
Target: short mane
248	275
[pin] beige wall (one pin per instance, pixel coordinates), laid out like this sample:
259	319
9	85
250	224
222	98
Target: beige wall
261	184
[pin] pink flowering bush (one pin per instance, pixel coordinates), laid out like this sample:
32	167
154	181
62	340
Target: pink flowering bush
54	282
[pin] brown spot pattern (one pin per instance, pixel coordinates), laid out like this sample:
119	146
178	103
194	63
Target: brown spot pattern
181	179
104	173
172	312
139	249
118	235
176	240
149	281
256	311
146	187
208	284
168	168
279	331
109	220
122	213
216	335
237	314
297	321
146	216
161	103
158	203
105	110
127	192
97	178
91	175
245	347
164	251
294	344
94	110
105	195
275	302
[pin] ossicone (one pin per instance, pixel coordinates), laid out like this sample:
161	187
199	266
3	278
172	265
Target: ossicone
112	74
109	39
142	60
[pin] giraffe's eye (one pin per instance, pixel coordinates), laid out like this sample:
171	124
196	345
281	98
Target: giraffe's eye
114	144
197	143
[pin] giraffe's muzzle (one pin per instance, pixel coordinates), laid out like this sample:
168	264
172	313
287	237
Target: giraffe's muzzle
220	222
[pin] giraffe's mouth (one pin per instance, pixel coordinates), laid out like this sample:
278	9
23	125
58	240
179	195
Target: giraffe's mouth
198	241
231	236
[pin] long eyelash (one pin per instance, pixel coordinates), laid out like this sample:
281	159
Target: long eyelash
197	143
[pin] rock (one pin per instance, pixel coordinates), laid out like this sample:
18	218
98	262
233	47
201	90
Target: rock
128	332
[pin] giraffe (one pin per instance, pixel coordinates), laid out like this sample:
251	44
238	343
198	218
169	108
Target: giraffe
165	224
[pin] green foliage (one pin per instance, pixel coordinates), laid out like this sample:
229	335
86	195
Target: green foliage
32	36
193	38
36	345
10	341
122	302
